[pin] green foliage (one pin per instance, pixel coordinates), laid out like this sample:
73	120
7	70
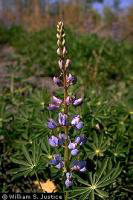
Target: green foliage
104	176
104	69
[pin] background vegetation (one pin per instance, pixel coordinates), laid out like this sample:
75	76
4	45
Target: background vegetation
103	65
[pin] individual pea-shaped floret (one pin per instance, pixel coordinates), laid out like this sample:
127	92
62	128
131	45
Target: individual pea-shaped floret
81	139
76	122
77	102
68	181
79	165
63	119
52	124
53	141
72	147
57	161
57	81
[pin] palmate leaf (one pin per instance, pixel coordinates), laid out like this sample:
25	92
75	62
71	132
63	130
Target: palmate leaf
20	162
102	169
30	162
26	154
103	177
84	191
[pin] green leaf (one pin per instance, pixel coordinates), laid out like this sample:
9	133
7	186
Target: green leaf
79	193
82	181
27	156
101	193
92	197
103	167
20	162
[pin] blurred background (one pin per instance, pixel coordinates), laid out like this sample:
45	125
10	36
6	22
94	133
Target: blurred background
103	17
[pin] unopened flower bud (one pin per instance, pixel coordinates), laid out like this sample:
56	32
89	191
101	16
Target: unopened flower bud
61	64
58	51
68	62
64	50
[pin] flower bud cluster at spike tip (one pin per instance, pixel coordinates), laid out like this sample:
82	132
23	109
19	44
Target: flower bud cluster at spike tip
61	51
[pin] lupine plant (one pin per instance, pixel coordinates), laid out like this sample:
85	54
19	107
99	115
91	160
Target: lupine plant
66	149
71	162
65	119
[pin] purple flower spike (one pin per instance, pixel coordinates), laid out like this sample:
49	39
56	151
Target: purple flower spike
71	80
79	165
53	141
53	107
56	101
72	146
51	124
80	139
74	152
57	81
68	183
62	119
78	102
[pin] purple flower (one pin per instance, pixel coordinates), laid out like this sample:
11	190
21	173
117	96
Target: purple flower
68	175
79	165
62	138
51	124
76	122
72	145
74	152
69	100
57	81
60	165
62	119
80	139
53	107
79	125
53	141
77	102
56	101
68	183
71	79
57	162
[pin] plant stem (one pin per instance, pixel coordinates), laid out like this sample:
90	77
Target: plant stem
38	181
66	153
